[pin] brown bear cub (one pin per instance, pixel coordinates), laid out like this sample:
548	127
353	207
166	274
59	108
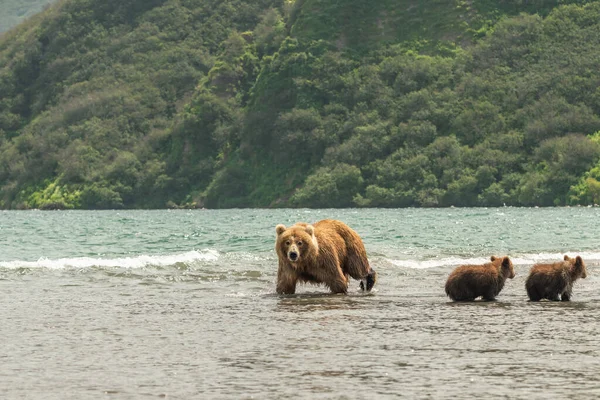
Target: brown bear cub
326	252
549	281
468	282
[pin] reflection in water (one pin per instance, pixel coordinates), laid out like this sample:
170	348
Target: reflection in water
307	302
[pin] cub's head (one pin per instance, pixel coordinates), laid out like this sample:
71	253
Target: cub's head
577	267
296	243
506	266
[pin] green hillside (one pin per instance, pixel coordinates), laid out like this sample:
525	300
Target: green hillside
312	103
13	12
89	91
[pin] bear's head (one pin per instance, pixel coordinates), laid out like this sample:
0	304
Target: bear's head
297	243
577	267
506	266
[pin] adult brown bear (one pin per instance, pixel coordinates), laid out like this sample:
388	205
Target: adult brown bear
549	281
468	282
326	252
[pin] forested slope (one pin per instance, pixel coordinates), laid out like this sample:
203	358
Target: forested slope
314	103
89	91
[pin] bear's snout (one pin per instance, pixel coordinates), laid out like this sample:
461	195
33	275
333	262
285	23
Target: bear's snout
293	256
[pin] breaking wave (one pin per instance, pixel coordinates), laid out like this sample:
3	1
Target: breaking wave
142	261
244	261
590	258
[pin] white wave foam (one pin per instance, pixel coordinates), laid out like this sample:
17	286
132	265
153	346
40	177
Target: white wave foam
126	262
590	258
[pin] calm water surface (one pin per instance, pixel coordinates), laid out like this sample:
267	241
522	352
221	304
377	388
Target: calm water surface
182	305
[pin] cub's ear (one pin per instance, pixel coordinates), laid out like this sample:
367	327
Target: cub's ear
310	230
492	258
566	257
280	229
578	261
506	262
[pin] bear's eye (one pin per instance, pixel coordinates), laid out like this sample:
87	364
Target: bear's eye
287	243
300	243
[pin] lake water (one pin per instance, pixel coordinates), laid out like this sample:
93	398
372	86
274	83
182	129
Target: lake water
182	305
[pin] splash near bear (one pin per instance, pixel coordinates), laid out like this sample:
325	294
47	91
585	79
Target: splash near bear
327	252
555	281
468	282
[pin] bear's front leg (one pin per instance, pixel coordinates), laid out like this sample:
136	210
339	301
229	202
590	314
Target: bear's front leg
286	286
566	294
339	284
489	297
286	280
339	287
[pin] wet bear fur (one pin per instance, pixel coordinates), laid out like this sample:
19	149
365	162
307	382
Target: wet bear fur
327	252
555	281
468	282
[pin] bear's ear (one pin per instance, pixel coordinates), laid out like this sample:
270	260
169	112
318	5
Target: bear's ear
280	229
506	262
566	257
578	262
492	258
310	230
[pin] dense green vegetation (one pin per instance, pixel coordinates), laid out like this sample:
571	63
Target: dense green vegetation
90	90
12	12
316	103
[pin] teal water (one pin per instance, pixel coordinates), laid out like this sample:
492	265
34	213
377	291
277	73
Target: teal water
182	304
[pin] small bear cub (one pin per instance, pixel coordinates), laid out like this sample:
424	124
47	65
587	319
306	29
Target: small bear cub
555	281
468	282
